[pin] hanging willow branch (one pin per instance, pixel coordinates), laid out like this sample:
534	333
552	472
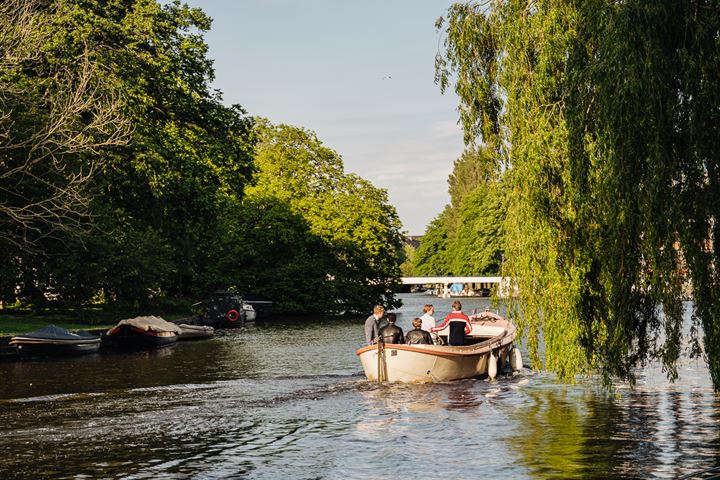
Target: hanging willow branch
610	112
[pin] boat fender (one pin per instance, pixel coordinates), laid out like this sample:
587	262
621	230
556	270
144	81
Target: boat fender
516	361
492	366
233	315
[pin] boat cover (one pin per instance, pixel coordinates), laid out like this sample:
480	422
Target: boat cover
53	332
196	331
151	324
196	328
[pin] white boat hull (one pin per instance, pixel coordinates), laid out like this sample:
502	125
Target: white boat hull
437	363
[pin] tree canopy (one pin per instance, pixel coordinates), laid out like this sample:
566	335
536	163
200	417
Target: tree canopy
354	231
606	115
126	181
467	237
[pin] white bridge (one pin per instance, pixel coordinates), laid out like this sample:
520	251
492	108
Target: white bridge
504	285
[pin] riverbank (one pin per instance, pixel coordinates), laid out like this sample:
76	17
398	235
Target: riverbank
14	323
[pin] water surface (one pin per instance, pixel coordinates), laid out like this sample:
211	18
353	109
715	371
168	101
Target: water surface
287	399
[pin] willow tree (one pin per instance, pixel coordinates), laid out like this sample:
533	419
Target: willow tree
607	116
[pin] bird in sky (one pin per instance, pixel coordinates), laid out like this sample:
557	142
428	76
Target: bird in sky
387	77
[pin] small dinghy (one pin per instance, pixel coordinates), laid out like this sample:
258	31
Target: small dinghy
53	340
488	348
195	332
144	333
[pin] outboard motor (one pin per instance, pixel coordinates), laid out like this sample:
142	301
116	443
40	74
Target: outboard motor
225	309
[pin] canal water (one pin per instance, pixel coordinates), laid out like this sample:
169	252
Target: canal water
287	399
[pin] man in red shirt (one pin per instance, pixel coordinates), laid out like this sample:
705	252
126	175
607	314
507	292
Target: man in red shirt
458	325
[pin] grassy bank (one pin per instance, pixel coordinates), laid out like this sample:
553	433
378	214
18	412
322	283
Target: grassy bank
13	323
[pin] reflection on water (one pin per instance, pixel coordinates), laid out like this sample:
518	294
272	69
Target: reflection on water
288	400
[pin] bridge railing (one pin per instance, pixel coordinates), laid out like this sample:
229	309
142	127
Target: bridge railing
505	286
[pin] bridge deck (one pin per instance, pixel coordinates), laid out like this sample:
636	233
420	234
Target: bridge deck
448	280
505	285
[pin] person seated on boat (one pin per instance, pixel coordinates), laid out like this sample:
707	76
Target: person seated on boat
372	324
428	321
418	336
457	324
391	333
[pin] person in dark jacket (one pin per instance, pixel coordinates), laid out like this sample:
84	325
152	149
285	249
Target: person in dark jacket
418	336
391	333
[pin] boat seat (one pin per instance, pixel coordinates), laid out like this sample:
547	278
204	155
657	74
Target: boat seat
485	330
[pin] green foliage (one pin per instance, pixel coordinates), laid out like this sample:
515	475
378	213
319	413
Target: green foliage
127	174
348	235
478	245
157	202
467	237
431	257
407	267
57	110
609	114
277	258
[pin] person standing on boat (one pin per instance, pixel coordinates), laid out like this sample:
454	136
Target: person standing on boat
372	324
391	333
428	321
418	336
457	323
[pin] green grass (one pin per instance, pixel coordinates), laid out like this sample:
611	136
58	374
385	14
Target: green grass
17	323
14	324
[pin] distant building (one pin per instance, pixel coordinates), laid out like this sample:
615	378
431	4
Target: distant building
413	240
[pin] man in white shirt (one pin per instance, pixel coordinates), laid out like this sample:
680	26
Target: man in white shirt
428	321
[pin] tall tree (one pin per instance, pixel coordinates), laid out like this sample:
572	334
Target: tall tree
466	238
58	113
354	231
609	112
432	256
159	200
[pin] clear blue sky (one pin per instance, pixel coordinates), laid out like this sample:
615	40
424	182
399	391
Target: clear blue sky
320	64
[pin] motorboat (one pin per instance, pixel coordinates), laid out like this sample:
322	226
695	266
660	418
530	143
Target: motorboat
53	340
227	310
144	333
195	332
488	348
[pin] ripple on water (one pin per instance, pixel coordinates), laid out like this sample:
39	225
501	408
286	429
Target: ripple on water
262	403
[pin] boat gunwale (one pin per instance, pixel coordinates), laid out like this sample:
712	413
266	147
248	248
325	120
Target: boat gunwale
147	332
41	341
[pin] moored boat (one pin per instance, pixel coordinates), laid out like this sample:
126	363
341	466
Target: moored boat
489	343
144	333
195	332
227	310
53	340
